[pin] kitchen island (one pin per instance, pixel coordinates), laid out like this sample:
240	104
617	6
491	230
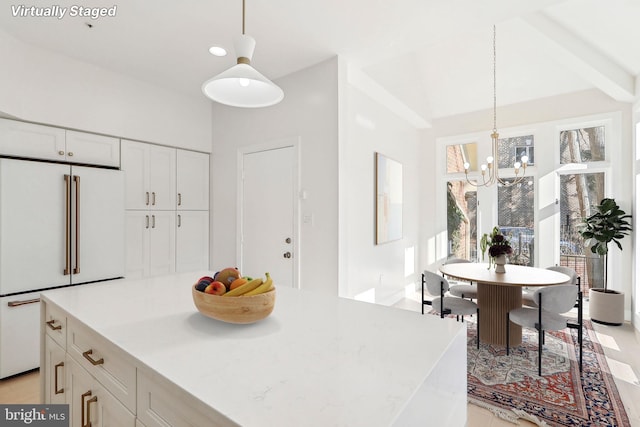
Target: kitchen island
317	360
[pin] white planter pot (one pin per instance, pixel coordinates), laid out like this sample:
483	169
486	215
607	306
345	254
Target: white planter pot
606	307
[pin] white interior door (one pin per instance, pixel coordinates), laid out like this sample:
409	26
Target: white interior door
268	194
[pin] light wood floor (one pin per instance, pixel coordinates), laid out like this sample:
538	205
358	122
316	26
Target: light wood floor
621	344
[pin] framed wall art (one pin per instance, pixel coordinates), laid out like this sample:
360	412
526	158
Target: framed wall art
388	199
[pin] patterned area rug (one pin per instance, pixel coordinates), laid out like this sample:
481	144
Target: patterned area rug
510	387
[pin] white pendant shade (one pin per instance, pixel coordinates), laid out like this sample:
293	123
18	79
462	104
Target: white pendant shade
242	85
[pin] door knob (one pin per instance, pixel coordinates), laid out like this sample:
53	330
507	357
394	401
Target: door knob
287	254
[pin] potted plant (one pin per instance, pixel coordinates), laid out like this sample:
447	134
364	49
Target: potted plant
608	224
499	247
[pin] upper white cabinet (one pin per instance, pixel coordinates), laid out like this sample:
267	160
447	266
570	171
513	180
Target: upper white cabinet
92	149
30	140
150	176
193	180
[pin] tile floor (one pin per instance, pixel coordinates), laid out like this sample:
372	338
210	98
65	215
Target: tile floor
622	349
621	344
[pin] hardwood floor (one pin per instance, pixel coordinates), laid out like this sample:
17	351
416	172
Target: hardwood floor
621	344
23	388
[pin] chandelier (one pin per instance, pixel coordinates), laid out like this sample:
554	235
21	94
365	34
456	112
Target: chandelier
490	169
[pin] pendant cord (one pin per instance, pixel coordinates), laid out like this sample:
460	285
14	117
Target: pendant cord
494	79
243	19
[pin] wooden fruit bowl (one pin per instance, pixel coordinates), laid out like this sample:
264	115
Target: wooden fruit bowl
238	309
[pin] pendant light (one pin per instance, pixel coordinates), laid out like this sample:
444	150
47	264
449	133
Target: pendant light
490	174
242	85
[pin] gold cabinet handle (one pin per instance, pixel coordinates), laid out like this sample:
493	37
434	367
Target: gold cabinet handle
147	221
61	153
153	198
67	264
70	153
23	302
76	179
147	198
179	199
86	415
87	355
55	378
53	327
179	220
153	221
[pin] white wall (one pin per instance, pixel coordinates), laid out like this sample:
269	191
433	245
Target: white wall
41	86
376	273
308	113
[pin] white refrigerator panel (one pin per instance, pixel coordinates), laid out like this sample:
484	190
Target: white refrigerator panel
98	226
32	225
19	333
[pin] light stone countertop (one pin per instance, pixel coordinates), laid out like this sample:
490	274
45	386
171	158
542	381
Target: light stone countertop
317	360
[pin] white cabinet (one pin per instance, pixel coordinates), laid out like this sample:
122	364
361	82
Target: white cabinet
151	243
192	240
167	207
30	140
54	381
192	180
90	402
92	149
150	175
159	405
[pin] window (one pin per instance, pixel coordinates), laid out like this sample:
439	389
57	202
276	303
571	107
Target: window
582	145
459	154
516	219
511	150
461	220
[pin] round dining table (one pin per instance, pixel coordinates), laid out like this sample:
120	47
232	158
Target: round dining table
498	293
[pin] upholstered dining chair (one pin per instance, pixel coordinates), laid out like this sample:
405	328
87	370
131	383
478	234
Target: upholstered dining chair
463	290
437	286
527	294
552	302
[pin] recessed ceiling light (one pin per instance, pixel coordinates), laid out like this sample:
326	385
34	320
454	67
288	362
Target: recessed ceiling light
217	51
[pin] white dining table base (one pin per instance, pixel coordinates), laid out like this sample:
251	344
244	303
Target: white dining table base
494	302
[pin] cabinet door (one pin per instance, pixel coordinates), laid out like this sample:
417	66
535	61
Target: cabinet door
135	164
92	149
192	240
162	242
192	180
137	225
162	177
91	404
54	371
33	141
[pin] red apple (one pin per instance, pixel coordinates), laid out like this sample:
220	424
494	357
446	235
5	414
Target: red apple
215	288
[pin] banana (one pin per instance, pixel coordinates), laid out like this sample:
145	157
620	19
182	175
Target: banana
249	286
265	287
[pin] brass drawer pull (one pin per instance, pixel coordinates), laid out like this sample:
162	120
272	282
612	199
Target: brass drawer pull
53	327
94	362
88	410
58	390
23	302
147	199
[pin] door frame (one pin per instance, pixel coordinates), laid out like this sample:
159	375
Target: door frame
294	143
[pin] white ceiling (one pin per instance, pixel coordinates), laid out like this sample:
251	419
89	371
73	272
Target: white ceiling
428	58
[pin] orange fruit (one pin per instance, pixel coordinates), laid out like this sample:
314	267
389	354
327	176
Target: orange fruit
238	282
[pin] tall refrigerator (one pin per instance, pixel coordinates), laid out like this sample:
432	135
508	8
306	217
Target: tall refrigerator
60	225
